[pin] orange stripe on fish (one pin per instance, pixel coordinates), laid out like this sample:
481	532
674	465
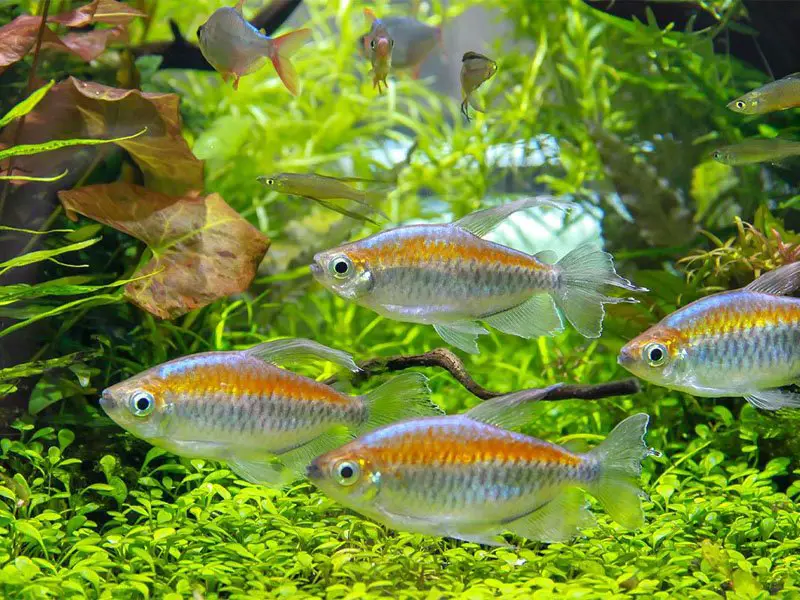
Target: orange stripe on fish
450	448
727	321
427	251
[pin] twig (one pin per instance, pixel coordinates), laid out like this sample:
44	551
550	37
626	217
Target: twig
182	54
445	359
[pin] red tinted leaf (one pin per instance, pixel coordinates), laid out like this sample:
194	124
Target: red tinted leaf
17	38
98	11
91	44
202	248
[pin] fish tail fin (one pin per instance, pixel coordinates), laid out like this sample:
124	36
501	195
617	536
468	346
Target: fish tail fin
583	273
282	49
620	459
402	397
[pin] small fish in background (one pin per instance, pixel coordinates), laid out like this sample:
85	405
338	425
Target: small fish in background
378	45
413	42
450	277
323	189
748	152
266	422
774	96
475	70
471	478
235	48
743	343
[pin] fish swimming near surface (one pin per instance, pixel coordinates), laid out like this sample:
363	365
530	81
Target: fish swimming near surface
324	190
741	343
235	48
266	422
413	42
470	477
771	150
475	70
450	277
379	46
776	95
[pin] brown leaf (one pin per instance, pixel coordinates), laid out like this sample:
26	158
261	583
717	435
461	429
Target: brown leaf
91	44
17	39
75	108
202	248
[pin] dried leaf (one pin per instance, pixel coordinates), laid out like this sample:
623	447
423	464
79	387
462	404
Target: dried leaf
17	39
91	44
202	248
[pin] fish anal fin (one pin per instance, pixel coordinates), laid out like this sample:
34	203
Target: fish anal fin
535	317
482	222
778	282
559	520
298	350
774	399
462	334
267	472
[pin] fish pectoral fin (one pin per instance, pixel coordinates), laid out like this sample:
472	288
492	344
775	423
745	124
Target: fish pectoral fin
299	350
511	411
778	282
482	222
535	317
475	102
559	520
774	399
297	459
267	472
462	334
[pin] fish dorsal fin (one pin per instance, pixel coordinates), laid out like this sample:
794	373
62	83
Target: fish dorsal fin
294	350
793	76
511	411
779	282
548	257
482	222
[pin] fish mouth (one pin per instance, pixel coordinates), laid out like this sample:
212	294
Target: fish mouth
315	269
106	400
625	357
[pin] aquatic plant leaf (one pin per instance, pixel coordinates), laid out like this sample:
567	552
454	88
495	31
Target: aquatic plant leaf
202	248
162	154
77	109
18	37
28	149
42	366
27	105
41	255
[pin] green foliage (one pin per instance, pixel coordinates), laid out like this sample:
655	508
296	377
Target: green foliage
590	106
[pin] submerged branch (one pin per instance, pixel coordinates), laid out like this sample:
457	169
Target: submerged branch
445	359
179	53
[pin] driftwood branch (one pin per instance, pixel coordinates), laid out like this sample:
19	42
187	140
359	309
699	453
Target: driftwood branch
179	53
445	359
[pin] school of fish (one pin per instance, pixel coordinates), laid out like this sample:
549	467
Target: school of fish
391	454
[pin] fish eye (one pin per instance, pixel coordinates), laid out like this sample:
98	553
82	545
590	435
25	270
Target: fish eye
340	267
142	403
347	472
269	181
391	43
740	105
372	44
655	354
199	30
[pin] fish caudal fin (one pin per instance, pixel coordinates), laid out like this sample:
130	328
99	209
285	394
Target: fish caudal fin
584	272
620	457
559	520
402	397
282	49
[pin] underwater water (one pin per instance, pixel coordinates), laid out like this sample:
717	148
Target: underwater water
307	299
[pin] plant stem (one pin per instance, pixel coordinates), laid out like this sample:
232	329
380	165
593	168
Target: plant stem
31	77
